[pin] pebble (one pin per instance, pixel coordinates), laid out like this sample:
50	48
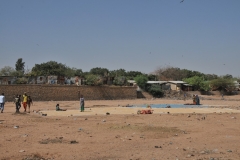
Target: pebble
25	135
21	151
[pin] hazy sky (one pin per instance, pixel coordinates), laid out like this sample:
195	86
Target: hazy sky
136	35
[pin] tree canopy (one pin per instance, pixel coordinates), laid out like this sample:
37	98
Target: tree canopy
19	66
49	68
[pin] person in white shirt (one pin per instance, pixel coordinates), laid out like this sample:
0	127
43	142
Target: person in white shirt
2	102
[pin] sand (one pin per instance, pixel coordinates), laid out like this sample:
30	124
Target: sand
168	133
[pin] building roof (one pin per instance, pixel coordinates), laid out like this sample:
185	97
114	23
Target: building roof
156	82
177	82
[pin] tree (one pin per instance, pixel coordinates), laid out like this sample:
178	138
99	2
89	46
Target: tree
155	90
197	82
50	68
7	71
119	81
132	74
117	73
222	84
92	80
141	81
152	77
99	71
19	66
227	76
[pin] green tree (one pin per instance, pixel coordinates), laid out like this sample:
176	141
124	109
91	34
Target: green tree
99	71
22	80
132	74
155	90
119	81
141	81
227	76
152	77
117	73
50	68
92	80
222	84
19	66
7	71
197	82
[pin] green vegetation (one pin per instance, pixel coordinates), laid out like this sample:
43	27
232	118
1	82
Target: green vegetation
120	77
141	81
155	90
222	84
198	83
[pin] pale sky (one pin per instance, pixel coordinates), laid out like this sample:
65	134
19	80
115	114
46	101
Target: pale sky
136	35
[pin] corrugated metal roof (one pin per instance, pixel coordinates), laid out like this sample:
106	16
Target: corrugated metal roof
156	82
177	82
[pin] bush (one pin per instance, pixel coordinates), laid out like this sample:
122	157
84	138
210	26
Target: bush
155	90
141	81
22	80
93	80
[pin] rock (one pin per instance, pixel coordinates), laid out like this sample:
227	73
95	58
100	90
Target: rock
21	151
107	113
215	151
16	127
229	150
73	142
25	135
104	120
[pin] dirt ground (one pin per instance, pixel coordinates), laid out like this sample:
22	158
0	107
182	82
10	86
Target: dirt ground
174	134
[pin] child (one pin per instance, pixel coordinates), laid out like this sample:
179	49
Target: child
29	102
59	109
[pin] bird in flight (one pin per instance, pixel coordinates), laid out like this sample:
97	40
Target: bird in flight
181	1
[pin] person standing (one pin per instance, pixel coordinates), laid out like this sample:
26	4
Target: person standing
185	95
17	101
82	103
194	99
2	102
19	104
25	101
29	102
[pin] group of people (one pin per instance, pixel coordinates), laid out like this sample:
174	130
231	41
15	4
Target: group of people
196	99
26	102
